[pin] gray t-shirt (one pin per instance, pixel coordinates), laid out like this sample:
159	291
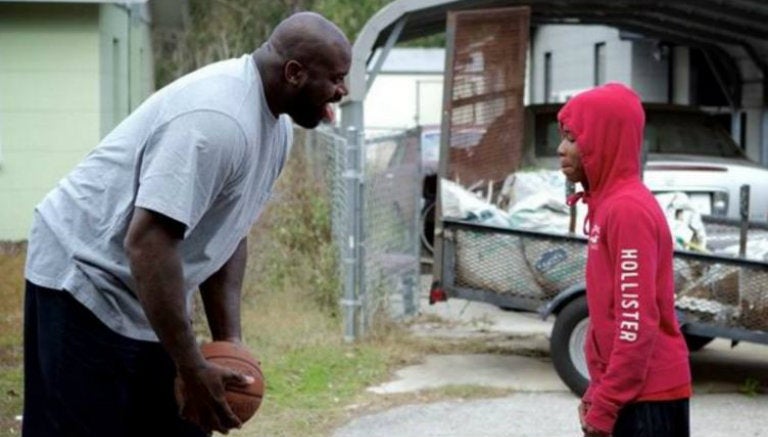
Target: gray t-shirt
204	151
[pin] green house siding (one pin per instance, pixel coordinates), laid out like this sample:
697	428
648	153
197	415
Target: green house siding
126	63
69	73
141	66
49	102
114	66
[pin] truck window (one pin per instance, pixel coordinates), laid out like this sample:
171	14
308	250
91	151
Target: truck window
688	133
669	132
547	134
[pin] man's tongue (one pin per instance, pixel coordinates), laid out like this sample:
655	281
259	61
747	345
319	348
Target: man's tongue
329	115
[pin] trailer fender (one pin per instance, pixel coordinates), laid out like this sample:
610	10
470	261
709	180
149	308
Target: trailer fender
562	299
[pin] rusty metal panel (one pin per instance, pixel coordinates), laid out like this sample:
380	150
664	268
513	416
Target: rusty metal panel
483	103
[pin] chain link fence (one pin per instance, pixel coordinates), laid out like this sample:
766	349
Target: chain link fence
374	188
333	162
392	199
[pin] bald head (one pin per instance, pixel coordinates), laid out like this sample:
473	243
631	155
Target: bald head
303	65
307	36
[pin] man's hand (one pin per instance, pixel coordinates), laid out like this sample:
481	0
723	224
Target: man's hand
203	397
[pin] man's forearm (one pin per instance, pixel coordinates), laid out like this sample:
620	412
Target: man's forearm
221	295
152	247
160	290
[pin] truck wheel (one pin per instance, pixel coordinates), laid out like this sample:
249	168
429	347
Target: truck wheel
696	342
566	345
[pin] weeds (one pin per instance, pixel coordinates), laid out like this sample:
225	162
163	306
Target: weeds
291	245
750	387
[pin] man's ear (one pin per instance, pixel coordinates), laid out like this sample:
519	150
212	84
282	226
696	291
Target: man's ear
295	73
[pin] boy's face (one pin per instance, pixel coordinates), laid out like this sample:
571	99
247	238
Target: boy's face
570	158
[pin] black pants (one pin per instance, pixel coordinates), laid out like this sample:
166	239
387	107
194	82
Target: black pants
654	419
81	379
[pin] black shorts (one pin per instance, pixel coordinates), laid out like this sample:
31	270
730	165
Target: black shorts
82	379
654	419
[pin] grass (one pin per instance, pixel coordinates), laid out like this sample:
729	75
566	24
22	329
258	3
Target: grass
11	286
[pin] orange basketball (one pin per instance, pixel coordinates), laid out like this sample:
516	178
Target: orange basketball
244	401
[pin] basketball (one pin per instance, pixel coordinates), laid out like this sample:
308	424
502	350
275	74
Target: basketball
244	401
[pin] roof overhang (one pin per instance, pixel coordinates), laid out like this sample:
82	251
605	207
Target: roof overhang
170	14
122	2
733	28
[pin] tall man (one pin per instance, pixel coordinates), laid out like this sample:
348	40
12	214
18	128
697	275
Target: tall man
636	354
160	209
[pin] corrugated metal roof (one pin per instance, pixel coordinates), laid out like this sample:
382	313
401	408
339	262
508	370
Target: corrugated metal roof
736	29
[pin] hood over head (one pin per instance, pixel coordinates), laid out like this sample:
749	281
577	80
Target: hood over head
607	123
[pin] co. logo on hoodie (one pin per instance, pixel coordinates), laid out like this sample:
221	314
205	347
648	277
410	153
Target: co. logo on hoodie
594	237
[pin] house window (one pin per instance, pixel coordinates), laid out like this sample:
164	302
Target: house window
547	77
599	67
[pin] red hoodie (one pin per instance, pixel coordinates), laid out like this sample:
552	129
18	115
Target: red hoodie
634	347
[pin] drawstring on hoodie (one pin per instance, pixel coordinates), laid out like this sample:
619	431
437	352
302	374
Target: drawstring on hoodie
584	196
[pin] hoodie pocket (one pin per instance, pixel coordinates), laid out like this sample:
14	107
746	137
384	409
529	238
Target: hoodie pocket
598	360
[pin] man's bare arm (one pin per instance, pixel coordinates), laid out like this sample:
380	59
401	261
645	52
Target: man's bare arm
152	244
221	295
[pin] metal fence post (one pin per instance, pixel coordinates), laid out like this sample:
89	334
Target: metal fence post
744	216
413	281
350	247
359	217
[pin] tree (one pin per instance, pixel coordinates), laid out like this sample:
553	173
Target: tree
221	29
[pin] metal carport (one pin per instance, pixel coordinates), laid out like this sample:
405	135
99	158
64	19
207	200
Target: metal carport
732	32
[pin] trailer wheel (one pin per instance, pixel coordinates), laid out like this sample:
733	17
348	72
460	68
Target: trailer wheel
566	345
428	228
696	342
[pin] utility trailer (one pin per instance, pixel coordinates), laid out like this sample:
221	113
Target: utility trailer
518	268
717	296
